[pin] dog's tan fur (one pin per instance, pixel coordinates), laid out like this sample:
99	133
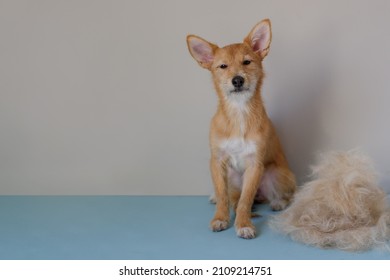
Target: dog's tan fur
342	207
247	160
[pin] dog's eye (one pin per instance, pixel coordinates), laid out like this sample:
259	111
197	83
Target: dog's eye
247	62
223	66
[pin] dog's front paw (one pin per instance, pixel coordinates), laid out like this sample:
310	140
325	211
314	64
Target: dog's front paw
246	232
218	225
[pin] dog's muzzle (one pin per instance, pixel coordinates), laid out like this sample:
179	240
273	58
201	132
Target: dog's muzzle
238	83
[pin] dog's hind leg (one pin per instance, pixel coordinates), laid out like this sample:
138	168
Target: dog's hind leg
277	186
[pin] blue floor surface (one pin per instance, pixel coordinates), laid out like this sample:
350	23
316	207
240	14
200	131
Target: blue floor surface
139	227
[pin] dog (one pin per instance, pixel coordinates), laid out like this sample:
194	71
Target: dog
247	161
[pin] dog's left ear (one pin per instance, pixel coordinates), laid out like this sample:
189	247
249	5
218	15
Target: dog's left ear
260	38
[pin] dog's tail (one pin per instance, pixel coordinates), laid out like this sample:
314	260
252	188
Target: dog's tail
342	207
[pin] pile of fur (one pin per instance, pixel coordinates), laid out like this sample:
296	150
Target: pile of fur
342	207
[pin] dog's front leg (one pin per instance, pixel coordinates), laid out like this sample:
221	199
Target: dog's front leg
219	176
243	224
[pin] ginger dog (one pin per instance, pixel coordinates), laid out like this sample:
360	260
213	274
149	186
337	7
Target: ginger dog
247	160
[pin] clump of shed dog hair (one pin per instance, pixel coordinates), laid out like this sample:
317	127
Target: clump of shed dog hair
342	207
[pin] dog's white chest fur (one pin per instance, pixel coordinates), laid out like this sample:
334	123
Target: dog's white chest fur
238	151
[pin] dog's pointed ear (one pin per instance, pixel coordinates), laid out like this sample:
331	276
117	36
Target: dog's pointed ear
260	38
201	50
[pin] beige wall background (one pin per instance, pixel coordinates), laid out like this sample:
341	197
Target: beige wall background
102	97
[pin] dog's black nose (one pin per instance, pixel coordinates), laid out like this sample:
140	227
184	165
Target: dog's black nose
238	81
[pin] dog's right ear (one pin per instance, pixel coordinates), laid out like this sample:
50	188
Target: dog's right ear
201	50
